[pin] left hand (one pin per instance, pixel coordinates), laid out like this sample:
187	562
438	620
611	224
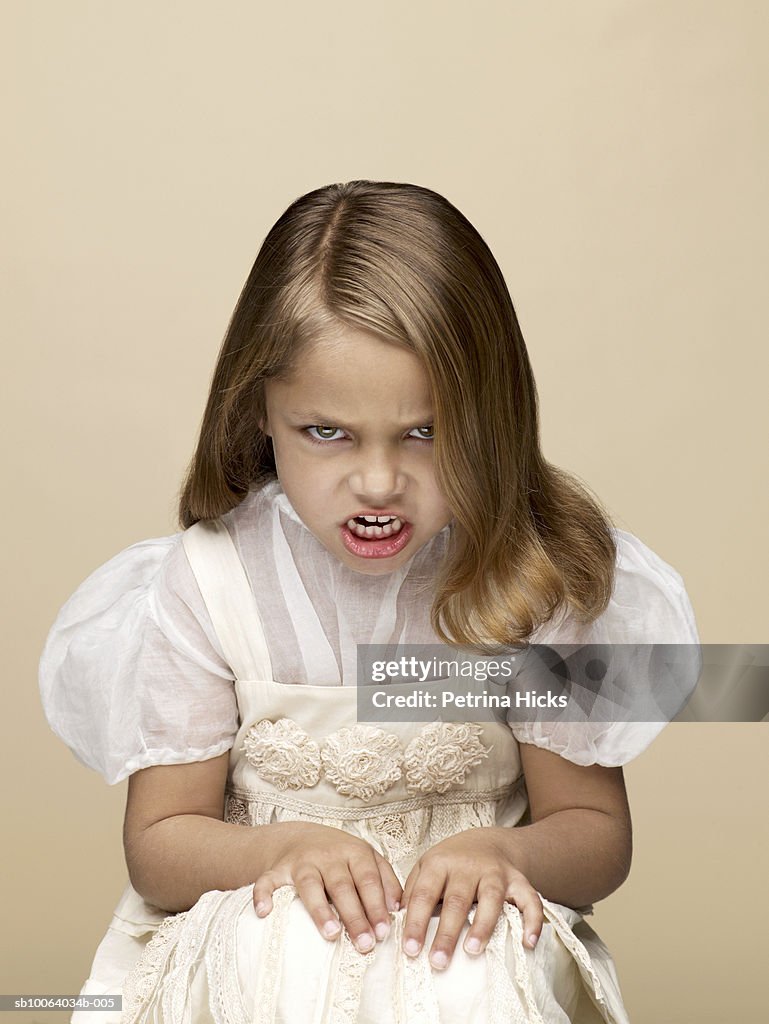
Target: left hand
471	867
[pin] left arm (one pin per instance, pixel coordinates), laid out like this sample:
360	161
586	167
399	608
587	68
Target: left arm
576	850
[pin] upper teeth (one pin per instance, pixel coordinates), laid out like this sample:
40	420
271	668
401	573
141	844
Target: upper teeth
376	526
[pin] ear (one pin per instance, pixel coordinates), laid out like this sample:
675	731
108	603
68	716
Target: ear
264	425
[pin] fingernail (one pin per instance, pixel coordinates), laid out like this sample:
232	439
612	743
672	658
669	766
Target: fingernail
396	907
533	940
381	931
412	947
331	929
261	908
365	942
473	946
439	960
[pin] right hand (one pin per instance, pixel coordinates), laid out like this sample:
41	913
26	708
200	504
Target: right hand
331	869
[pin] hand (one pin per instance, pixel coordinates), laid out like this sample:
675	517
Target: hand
329	866
473	866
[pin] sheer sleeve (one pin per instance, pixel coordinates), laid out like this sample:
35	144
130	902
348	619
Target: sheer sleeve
131	674
648	648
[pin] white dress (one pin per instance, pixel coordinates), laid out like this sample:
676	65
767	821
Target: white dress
240	635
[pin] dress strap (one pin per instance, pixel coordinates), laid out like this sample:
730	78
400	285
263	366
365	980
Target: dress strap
228	596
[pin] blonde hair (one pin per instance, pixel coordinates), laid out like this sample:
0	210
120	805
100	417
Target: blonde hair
400	261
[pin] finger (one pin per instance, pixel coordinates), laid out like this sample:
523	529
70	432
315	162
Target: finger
368	881
312	893
264	887
490	900
457	900
393	889
422	899
408	885
526	898
343	893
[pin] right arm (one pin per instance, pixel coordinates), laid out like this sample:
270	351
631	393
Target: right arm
177	847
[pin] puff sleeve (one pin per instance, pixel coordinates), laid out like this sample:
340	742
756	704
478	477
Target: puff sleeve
131	674
648	647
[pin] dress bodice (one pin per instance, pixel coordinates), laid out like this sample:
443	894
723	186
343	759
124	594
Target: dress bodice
302	755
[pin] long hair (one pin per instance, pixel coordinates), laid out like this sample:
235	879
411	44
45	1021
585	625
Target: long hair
398	260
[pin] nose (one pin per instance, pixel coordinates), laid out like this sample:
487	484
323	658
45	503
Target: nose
378	479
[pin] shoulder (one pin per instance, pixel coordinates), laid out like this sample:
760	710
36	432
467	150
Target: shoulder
129	675
650	649
649	602
122	580
636	560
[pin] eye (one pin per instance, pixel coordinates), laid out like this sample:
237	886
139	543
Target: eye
323	433
423	433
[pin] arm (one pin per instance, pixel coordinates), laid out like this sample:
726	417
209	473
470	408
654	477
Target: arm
174	835
578	847
177	847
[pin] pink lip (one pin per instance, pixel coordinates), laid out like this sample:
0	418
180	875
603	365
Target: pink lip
384	548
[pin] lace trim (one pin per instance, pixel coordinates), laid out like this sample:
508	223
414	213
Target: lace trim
141	982
397	836
505	1006
226	999
395	833
242	804
515	1003
190	947
163	969
348	972
520	958
268	979
447	820
415	998
582	957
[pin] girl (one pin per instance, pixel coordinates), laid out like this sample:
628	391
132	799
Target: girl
368	471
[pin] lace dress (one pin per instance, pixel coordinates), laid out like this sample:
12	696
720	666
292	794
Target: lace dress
299	754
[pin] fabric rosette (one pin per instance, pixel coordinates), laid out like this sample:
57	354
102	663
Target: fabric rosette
362	761
442	755
283	753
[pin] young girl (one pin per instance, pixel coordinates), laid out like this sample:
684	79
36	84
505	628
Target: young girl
368	471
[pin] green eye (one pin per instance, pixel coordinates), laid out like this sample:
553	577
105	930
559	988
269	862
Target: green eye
322	433
424	433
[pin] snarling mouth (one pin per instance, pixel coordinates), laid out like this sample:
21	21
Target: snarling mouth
369	536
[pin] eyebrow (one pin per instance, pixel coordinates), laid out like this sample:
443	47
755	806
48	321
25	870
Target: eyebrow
314	417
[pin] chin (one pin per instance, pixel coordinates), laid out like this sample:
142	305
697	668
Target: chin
379	569
372	566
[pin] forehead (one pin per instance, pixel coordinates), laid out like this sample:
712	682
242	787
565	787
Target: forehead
354	371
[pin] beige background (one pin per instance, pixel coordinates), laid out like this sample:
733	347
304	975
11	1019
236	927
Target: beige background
613	154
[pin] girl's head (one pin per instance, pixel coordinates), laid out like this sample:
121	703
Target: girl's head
383	299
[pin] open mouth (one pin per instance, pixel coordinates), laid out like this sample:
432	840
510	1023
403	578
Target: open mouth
376	536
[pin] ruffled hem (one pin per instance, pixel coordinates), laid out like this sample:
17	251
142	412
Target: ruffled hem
196	967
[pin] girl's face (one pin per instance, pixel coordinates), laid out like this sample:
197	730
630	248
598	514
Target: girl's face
352	438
